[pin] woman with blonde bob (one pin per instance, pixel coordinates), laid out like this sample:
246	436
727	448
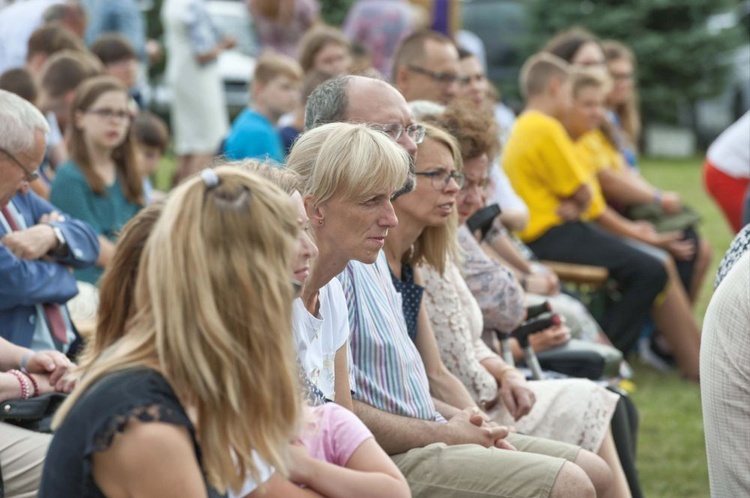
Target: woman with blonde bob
348	174
183	401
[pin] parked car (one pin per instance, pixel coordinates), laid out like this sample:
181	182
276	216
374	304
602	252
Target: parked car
235	66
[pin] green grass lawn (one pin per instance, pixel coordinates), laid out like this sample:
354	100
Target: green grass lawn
671	451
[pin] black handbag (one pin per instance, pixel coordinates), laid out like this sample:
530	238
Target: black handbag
34	414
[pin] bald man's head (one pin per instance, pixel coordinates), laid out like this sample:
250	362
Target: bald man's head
358	99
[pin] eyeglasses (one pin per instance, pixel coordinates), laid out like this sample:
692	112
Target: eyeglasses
440	78
440	179
395	130
29	176
110	114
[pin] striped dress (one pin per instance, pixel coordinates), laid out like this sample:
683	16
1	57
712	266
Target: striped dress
388	371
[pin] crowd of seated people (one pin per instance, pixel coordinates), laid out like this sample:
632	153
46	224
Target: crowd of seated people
305	312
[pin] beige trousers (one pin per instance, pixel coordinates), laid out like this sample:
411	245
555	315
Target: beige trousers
22	455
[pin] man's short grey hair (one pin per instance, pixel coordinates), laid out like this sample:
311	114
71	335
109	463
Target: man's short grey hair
328	103
18	121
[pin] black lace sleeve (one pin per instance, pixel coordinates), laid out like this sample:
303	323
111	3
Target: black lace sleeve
98	416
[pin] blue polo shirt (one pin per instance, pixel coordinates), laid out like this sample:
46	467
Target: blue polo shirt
253	136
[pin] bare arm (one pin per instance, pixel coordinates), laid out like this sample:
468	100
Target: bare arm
11	355
341	382
106	252
150	459
515	219
369	473
620	188
446	410
672	242
508	254
10	388
582	197
397	434
224	44
628	188
47	363
394	433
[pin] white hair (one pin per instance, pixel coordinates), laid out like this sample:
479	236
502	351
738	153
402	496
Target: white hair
18	121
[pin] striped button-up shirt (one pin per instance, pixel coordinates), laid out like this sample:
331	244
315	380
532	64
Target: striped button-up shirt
387	369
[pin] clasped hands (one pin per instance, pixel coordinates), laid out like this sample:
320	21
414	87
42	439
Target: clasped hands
34	242
49	369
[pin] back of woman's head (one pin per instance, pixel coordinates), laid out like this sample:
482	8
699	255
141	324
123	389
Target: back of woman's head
566	44
213	300
347	160
475	130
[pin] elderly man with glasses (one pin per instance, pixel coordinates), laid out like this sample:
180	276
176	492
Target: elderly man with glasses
38	245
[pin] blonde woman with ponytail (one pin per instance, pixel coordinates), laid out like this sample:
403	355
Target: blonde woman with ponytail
201	387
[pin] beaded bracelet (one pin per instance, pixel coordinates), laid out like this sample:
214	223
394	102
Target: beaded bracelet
24	386
33	383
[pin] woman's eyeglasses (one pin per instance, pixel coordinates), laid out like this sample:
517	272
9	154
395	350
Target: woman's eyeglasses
111	114
440	179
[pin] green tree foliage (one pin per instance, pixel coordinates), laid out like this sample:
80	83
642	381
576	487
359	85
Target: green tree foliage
679	60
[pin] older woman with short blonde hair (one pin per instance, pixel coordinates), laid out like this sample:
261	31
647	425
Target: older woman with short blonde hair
348	174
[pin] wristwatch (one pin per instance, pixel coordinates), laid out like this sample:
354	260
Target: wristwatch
62	246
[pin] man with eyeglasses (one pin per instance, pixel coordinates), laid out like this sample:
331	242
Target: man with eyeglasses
357	99
38	245
426	67
443	450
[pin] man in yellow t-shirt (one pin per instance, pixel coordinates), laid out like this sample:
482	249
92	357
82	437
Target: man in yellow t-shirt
563	197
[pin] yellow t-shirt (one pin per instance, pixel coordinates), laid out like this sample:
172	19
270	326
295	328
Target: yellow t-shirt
544	168
600	151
